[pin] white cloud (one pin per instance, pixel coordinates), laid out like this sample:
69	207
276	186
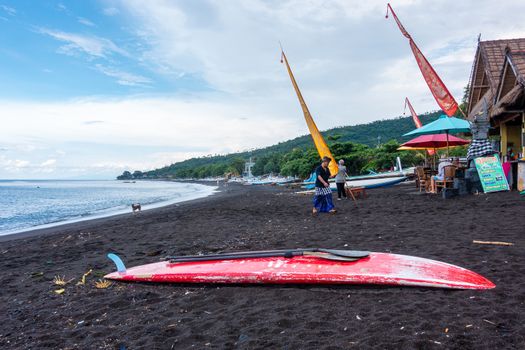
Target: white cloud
196	127
340	50
49	163
123	78
17	163
85	22
9	10
111	11
78	43
127	129
13	165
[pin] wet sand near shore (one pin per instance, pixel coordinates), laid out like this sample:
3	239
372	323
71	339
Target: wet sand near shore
168	316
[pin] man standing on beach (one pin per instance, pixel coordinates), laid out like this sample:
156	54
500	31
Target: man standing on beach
323	193
340	179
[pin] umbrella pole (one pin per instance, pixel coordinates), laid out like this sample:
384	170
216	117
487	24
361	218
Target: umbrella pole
448	156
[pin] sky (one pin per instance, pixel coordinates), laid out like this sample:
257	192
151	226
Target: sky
89	89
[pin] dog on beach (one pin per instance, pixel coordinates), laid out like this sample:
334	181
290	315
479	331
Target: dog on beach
136	207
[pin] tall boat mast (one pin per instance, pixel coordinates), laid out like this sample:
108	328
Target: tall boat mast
319	142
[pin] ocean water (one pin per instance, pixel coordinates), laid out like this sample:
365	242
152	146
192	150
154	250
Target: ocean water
28	205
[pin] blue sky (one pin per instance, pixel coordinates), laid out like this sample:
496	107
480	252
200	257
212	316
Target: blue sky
91	88
59	50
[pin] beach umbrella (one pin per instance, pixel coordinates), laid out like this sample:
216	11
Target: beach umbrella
432	142
406	148
435	141
444	124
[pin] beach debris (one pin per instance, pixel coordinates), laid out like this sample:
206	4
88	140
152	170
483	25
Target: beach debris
37	274
446	330
83	279
357	316
242	338
492	323
102	284
435	342
492	242
61	280
153	252
468	326
60	291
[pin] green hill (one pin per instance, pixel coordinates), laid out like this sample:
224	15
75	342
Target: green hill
347	140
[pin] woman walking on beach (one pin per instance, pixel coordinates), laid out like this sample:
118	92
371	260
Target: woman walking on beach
323	194
340	179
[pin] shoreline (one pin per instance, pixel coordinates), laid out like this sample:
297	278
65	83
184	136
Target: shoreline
80	223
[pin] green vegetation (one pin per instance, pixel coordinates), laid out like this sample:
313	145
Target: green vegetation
357	145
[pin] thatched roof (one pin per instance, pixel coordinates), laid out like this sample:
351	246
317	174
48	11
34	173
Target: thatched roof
489	72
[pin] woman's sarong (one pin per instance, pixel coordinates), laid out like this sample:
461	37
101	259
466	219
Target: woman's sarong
323	199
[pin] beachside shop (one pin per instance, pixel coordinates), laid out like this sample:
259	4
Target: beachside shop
498	77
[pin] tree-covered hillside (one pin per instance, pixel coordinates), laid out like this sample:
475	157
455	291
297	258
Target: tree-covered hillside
296	156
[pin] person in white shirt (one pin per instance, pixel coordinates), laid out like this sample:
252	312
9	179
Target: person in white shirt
340	179
440	175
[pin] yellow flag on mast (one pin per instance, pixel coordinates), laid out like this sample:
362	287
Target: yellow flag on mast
319	142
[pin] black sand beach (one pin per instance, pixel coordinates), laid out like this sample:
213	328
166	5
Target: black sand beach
154	316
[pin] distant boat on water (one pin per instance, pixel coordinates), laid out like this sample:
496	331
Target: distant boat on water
278	180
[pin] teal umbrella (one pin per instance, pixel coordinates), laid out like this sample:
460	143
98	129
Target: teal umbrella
443	125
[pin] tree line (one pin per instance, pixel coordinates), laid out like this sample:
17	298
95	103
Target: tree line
299	162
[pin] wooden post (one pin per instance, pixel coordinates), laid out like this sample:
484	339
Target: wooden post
523	135
503	140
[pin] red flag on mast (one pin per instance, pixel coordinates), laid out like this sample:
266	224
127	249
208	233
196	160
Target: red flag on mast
440	92
414	115
416	120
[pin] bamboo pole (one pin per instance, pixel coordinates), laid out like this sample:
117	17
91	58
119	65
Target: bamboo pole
493	243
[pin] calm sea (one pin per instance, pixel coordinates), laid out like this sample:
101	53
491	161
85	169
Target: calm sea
27	205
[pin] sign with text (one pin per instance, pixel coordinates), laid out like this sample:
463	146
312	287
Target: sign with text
491	174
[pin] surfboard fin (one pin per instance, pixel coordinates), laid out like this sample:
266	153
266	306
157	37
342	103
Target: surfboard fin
118	262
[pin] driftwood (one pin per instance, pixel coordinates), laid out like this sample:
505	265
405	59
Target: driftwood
492	242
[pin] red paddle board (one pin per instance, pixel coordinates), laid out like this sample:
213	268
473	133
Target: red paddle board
377	268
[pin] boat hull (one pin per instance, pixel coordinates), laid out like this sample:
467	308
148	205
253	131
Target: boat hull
376	269
372	183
